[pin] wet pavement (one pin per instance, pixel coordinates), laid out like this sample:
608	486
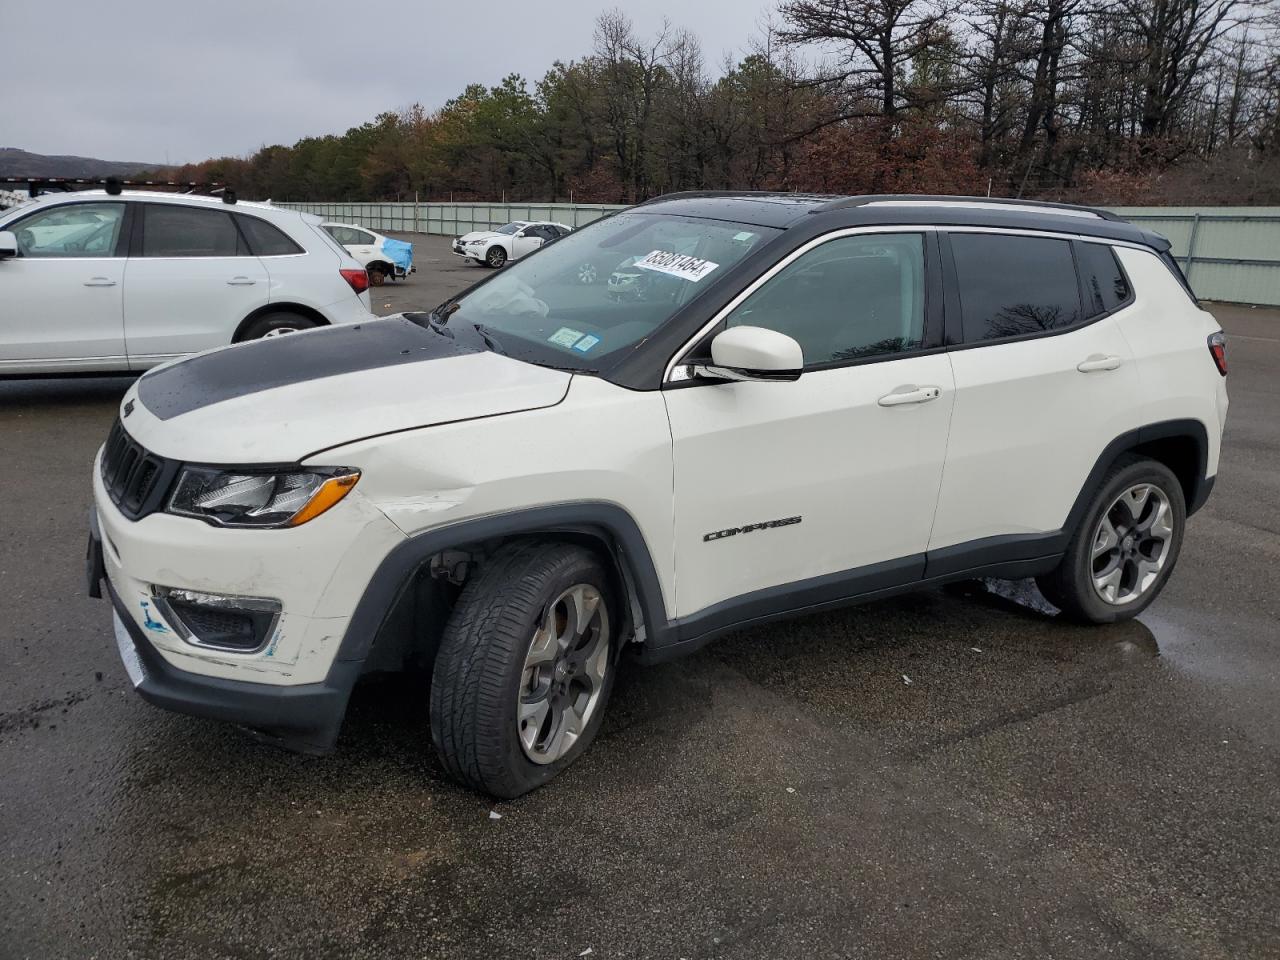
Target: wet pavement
953	774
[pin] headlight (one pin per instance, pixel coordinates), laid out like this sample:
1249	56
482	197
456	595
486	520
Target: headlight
472	243
248	498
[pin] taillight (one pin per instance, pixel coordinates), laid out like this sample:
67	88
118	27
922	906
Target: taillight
1218	349
359	279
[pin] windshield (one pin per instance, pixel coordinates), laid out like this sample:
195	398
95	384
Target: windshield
604	288
510	228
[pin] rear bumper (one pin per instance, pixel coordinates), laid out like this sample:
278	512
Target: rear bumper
303	717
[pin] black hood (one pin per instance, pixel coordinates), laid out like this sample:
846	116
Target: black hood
279	361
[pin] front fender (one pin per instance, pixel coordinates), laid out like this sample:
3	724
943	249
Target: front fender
613	526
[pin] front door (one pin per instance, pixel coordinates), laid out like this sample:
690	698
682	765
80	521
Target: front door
61	296
830	479
526	241
191	280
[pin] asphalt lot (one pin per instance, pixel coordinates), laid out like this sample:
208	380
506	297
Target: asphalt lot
1036	790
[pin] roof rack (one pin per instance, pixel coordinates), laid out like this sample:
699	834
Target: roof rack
114	185
898	199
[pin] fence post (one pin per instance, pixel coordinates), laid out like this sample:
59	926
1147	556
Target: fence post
1191	249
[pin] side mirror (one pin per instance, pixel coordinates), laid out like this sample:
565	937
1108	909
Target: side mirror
752	353
8	245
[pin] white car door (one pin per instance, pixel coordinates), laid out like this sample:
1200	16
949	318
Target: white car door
61	296
363	246
832	478
526	241
1044	381
191	280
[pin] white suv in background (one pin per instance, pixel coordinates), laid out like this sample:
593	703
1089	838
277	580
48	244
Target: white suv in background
105	282
818	401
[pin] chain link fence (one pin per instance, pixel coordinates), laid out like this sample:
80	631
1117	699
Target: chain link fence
1227	253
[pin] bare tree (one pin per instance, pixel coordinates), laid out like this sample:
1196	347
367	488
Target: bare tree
871	45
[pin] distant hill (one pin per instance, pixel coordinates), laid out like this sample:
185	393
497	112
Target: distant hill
20	163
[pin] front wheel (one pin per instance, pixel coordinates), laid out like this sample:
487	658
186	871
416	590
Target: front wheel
1125	548
495	257
525	667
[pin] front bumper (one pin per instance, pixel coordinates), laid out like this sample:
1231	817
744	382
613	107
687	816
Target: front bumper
303	717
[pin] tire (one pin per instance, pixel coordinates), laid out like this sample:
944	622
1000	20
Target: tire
1125	548
376	277
483	682
276	324
495	257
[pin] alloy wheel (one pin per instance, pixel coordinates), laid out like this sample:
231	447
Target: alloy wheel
1131	544
564	674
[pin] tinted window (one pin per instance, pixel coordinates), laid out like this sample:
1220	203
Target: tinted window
1105	284
847	299
188	232
1011	286
264	239
72	230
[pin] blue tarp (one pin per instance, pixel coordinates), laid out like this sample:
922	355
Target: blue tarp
398	252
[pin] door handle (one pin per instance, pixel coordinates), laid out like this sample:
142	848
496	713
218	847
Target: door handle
1097	361
241	282
99	282
910	393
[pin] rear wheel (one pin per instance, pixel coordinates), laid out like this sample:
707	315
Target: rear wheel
495	257
376	276
525	667
1125	548
277	324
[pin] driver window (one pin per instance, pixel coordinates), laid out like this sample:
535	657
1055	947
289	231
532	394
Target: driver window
848	299
73	230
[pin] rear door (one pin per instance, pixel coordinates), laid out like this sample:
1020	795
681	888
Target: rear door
1044	380
191	280
60	298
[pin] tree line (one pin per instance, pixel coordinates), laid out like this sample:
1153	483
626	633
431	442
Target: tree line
1108	101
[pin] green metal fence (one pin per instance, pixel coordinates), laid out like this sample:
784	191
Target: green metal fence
451	219
1227	253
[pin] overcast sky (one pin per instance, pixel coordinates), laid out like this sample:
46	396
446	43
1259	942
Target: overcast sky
159	83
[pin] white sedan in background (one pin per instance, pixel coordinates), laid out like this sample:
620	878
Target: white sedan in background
382	256
510	242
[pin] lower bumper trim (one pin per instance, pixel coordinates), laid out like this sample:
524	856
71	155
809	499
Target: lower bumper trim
305	718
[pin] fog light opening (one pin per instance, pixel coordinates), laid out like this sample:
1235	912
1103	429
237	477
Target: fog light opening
219	621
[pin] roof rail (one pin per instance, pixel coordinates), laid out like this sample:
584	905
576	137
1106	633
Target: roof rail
894	198
114	185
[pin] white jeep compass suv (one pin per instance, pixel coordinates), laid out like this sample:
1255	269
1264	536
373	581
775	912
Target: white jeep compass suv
819	400
122	280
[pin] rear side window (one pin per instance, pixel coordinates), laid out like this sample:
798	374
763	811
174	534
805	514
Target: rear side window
1012	286
1105	285
189	232
266	240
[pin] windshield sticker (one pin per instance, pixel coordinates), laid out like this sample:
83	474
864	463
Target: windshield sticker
744	236
564	337
586	343
677	265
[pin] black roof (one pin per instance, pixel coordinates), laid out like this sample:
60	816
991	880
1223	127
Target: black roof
785	210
